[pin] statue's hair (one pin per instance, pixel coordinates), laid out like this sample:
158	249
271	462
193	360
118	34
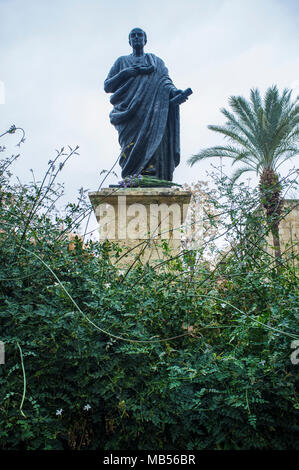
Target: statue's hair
140	30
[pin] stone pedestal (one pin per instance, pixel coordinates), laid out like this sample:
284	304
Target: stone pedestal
141	220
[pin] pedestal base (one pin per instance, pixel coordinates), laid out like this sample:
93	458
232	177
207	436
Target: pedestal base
141	219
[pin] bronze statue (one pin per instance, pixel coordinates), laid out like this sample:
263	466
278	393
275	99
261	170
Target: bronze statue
145	112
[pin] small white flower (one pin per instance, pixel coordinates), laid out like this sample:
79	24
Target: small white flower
87	407
223	305
59	412
121	272
107	285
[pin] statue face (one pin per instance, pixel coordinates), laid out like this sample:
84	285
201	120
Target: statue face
137	37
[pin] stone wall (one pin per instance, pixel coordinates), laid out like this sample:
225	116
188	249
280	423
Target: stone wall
289	228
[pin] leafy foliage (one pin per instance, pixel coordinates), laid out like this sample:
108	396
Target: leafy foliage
195	356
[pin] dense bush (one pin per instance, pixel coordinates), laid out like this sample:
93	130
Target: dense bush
187	356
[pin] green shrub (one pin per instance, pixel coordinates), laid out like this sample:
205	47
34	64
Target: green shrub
190	357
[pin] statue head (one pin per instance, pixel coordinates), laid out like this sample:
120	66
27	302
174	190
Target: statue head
137	37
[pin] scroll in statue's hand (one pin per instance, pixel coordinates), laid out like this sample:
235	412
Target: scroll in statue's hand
180	96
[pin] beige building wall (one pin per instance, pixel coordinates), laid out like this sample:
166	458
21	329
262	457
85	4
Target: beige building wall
289	228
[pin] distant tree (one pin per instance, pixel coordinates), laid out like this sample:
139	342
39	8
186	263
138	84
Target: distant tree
263	134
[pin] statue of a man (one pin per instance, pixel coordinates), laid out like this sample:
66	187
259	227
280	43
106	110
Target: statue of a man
146	120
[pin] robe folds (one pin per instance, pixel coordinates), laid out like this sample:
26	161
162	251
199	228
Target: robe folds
146	121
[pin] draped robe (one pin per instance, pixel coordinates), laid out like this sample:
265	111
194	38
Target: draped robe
147	124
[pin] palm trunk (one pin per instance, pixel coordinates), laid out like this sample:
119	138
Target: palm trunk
270	193
276	241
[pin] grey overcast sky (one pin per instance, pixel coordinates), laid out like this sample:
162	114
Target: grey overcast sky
55	55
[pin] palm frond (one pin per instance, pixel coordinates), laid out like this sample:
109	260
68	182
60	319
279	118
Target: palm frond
239	172
234	136
288	156
246	157
238	126
256	100
263	133
271	98
242	107
212	152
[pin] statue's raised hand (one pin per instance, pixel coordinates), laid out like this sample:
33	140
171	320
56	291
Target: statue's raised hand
146	69
138	70
131	71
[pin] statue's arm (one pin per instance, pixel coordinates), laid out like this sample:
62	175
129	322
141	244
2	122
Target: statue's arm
174	91
117	77
111	84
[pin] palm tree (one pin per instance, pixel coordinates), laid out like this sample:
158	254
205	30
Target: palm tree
263	134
